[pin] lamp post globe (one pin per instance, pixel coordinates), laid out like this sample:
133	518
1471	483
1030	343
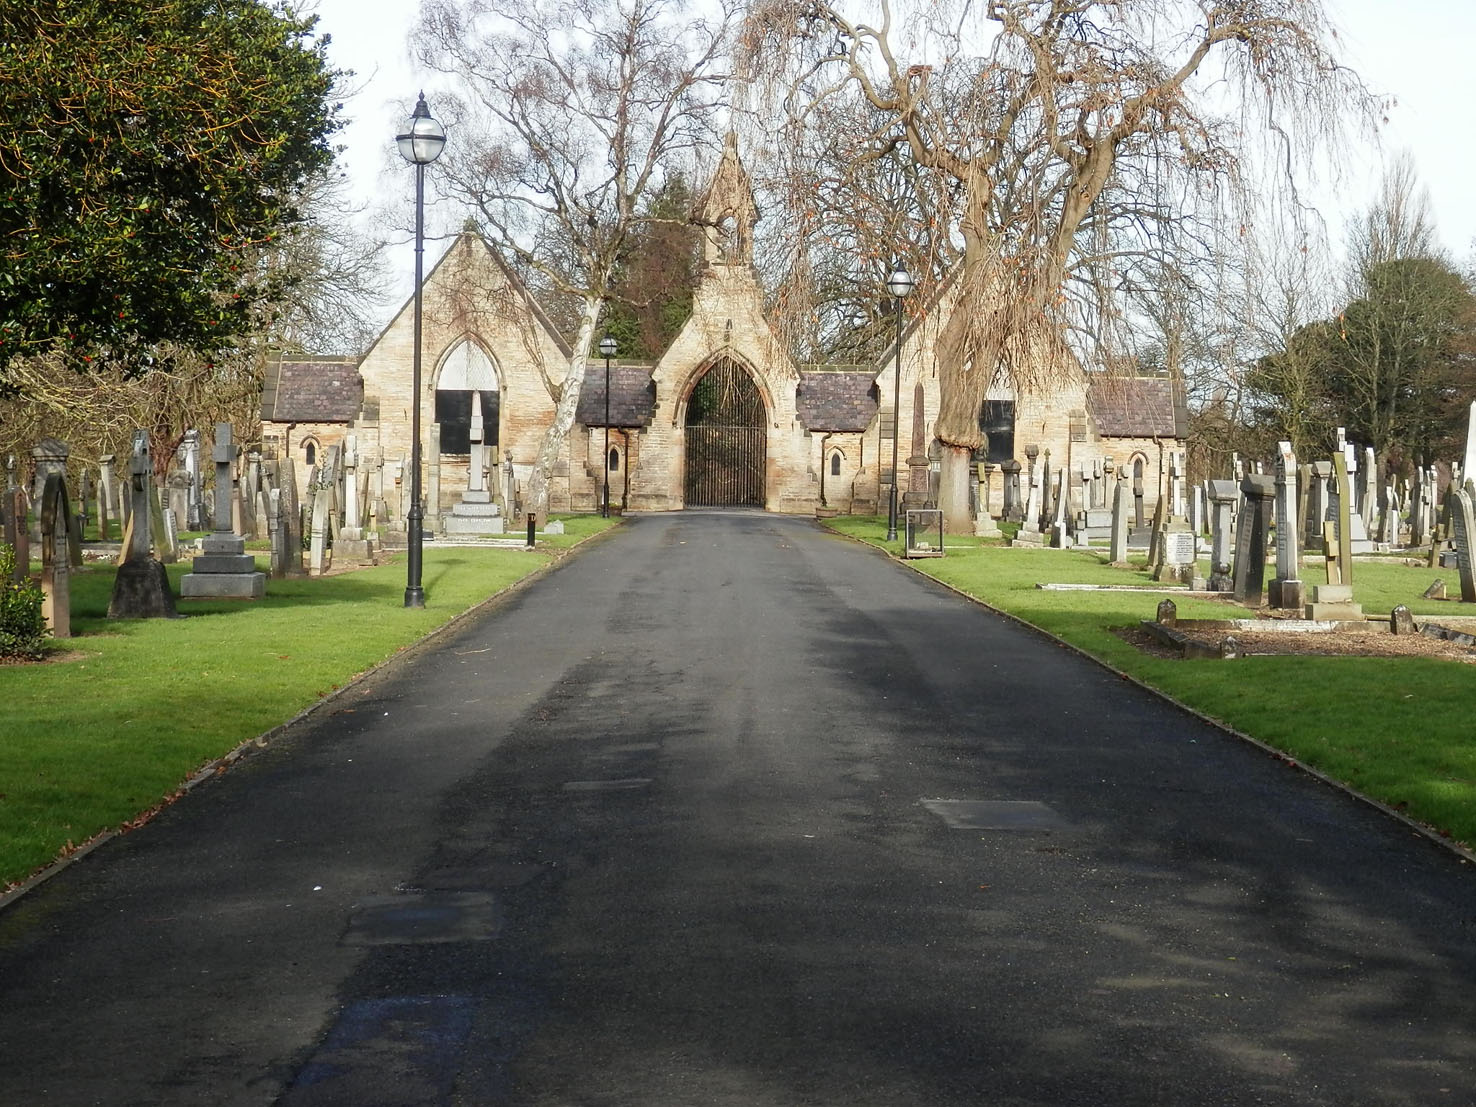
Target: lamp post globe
900	284
607	349
420	144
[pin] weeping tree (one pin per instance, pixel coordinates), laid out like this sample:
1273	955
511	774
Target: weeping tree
1057	142
569	119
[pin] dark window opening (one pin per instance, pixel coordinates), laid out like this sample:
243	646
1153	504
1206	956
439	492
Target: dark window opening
310	453
997	421
835	465
614	460
454	413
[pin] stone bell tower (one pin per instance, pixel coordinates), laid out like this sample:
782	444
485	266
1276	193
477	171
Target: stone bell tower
726	212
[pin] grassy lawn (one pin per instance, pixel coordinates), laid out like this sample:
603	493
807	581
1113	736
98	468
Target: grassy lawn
1397	729
89	743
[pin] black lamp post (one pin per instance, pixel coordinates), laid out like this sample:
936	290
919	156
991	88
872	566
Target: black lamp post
420	145
900	285
607	348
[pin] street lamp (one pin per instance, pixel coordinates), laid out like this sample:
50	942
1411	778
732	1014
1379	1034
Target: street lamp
900	285
420	145
607	348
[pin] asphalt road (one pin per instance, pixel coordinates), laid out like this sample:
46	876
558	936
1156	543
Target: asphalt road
729	811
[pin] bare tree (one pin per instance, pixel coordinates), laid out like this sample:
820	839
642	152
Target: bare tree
331	291
570	118
1064	138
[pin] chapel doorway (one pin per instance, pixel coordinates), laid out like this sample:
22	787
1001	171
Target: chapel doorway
726	439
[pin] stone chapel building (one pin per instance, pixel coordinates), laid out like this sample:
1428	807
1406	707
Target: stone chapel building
723	418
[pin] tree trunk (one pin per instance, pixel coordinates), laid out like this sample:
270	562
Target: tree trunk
954	479
536	501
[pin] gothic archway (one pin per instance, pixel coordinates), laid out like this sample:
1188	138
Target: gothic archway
726	439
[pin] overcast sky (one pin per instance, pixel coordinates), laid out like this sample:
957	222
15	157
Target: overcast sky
1417	51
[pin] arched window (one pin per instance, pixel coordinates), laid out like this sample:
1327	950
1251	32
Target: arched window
310	452
466	372
614	461
835	463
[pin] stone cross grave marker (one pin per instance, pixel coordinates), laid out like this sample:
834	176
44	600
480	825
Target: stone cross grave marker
141	587
224	570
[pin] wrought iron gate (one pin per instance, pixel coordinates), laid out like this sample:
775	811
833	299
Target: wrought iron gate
727	440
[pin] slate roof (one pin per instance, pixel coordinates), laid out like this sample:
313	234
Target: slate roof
837	402
313	390
632	396
1138	407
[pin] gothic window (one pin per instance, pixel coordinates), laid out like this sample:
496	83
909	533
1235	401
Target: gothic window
614	460
310	452
466	373
997	421
835	464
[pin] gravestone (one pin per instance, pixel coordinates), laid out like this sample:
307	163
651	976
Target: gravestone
1468	459
1060	535
916	496
1046	509
475	513
986	487
1463	534
1120	496
189	448
276	527
1177	552
322	514
290	511
984	524
432	504
1317	505
8	529
1137	503
141	587
256	493
1417	508
60	550
107	504
1196	510
351	543
1258	494
17	532
1286	588
177	495
1029	533
1368	501
1013	510
224	570
1222	494
49	457
1334	600
1155	539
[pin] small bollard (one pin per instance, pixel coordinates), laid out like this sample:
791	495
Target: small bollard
532	525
